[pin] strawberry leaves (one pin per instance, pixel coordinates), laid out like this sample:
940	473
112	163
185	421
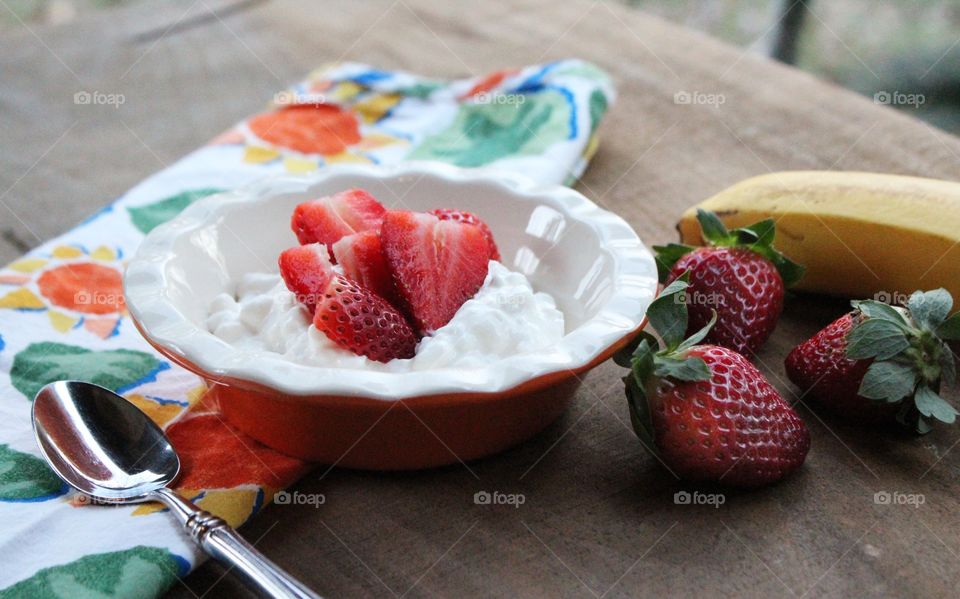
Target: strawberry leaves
880	311
930	308
713	229
911	359
668	255
667	314
876	338
930	404
888	381
648	360
948	366
682	369
949	329
757	237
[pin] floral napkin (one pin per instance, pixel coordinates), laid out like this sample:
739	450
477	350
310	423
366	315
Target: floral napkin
62	313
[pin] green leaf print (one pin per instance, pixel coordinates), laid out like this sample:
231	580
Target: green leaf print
117	369
598	107
584	70
146	218
138	572
24	477
421	90
484	132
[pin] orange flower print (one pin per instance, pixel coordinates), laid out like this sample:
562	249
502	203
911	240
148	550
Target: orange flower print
75	287
84	287
308	128
214	456
489	82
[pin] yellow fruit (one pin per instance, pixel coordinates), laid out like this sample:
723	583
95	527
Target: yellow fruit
860	235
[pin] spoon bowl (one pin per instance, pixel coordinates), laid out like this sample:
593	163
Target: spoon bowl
105	447
101	444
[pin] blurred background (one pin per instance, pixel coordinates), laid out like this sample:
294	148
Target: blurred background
905	53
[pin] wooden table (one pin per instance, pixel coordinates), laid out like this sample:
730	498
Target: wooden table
599	515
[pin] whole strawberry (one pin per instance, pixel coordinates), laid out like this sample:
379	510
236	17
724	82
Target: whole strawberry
738	274
705	410
882	363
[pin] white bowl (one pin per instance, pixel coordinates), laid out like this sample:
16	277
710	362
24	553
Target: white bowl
590	260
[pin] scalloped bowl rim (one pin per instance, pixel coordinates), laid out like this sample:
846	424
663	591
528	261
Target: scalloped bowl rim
166	327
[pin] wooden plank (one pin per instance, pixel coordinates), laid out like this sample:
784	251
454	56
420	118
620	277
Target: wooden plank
599	514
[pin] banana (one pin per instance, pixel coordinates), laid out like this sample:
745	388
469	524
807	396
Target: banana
859	235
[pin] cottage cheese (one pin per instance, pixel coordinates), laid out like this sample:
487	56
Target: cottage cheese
505	318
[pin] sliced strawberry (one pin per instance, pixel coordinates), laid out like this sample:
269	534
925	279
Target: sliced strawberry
307	271
359	320
361	257
327	219
437	265
462	216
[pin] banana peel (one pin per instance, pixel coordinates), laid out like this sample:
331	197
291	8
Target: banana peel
860	235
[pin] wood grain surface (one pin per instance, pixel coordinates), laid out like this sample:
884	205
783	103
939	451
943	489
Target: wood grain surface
599	517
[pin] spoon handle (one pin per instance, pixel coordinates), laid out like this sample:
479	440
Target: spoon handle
222	542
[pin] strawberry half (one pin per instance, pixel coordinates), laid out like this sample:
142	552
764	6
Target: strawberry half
738	274
881	363
327	219
437	265
462	216
704	410
363	322
350	315
306	270
361	257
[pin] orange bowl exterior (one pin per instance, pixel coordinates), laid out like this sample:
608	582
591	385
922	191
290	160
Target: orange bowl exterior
407	434
401	435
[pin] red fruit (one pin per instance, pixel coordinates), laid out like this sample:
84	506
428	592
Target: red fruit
364	323
821	368
352	316
462	216
738	274
742	286
705	411
327	219
361	257
734	428
306	270
437	265
881	363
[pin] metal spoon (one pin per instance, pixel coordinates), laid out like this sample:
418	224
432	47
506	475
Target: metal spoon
105	447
